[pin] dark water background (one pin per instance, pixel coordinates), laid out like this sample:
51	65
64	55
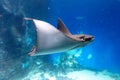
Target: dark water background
100	18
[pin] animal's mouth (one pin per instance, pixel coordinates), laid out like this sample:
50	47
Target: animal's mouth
87	38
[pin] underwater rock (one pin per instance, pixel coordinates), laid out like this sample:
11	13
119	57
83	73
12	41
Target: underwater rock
13	48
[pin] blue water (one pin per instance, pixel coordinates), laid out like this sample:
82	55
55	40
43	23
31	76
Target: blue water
99	18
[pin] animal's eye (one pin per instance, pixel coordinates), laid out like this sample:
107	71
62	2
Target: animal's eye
82	37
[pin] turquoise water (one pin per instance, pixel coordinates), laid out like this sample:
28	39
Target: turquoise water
99	60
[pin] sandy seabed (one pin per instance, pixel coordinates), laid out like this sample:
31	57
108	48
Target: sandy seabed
74	75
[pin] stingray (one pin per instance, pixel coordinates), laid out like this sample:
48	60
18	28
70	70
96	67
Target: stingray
53	40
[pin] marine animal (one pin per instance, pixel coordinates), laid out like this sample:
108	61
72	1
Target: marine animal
52	40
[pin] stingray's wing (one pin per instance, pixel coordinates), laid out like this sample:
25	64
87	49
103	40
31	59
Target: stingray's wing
47	34
62	27
49	37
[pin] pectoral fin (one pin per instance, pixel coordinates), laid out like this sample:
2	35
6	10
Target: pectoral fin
32	52
62	27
